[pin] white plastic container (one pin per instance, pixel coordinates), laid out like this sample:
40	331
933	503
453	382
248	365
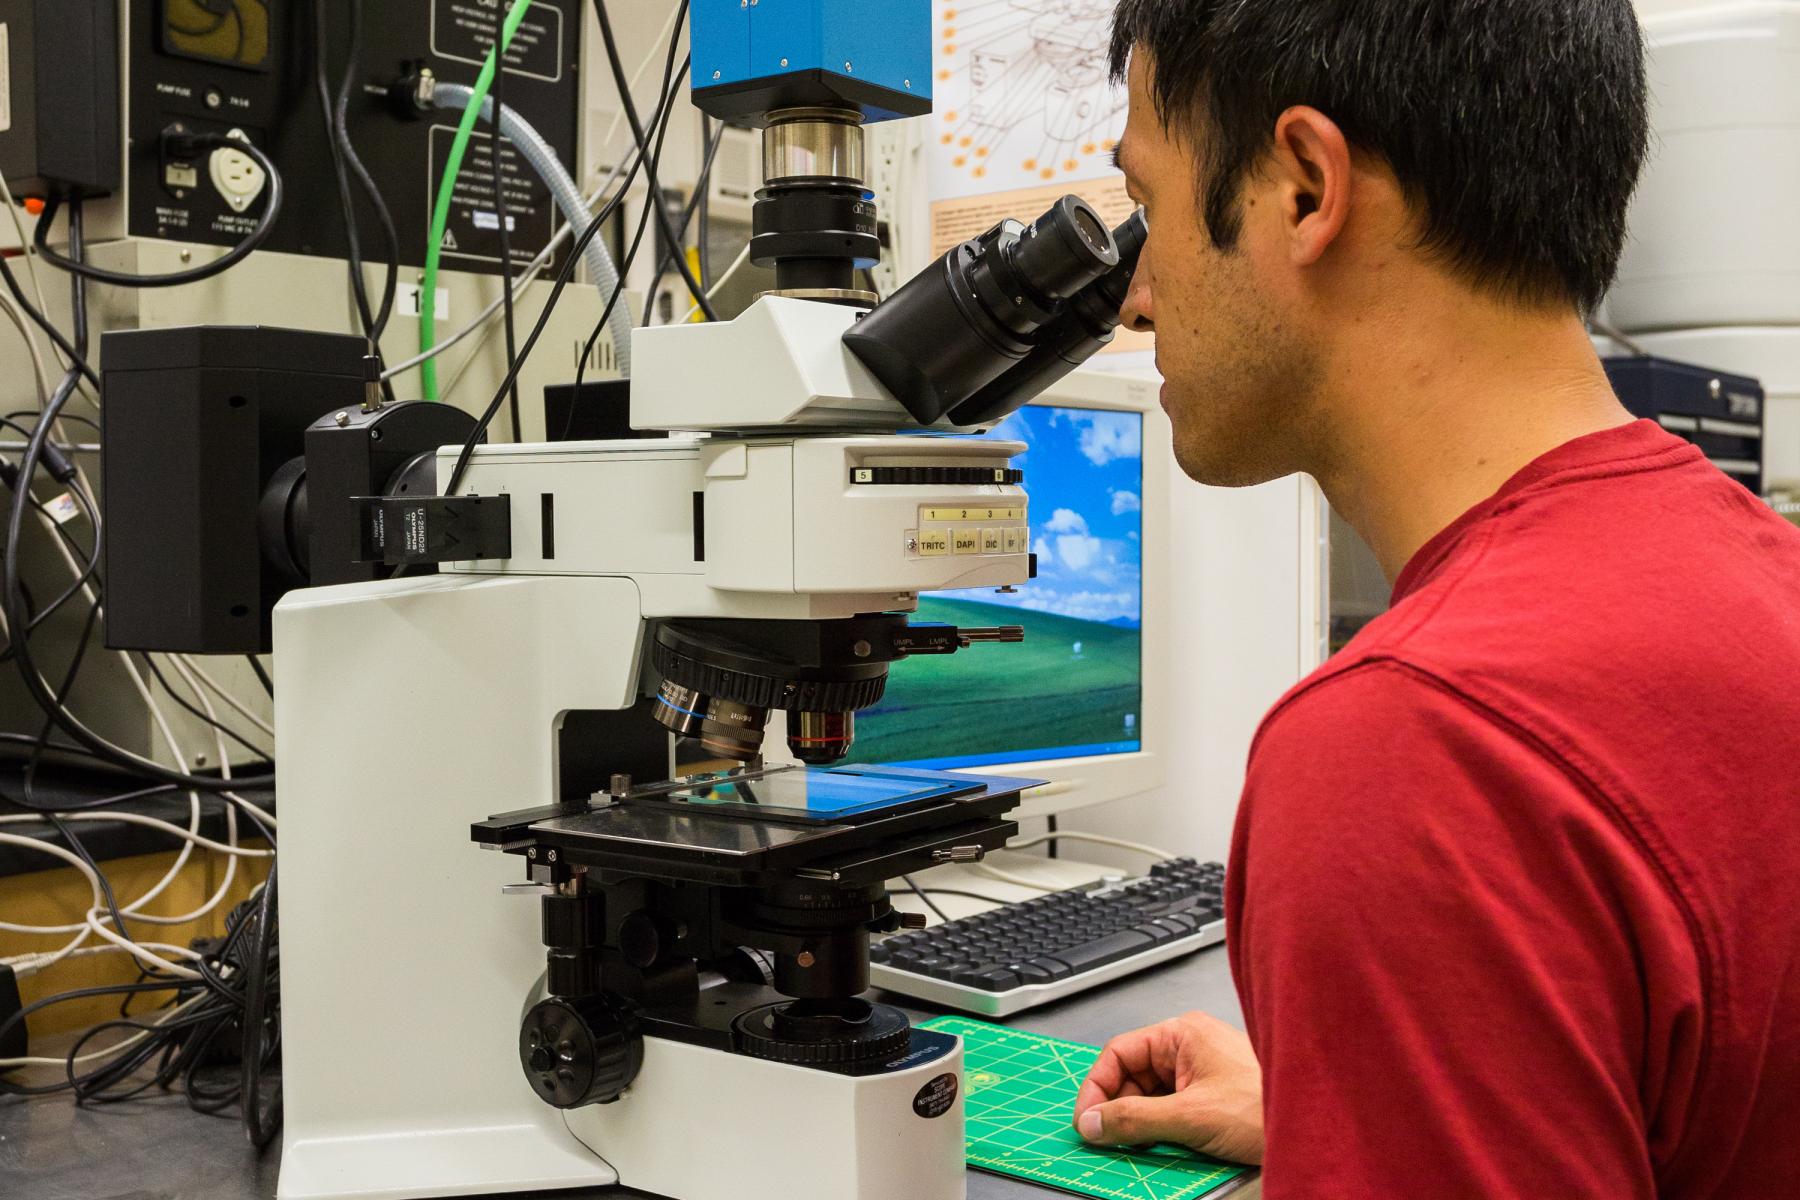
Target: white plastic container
1714	237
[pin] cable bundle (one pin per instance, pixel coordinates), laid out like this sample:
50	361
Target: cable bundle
216	1036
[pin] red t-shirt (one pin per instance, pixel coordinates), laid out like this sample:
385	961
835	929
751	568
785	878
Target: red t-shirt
1514	899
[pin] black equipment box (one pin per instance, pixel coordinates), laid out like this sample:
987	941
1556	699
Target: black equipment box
195	423
214	66
1716	411
59	96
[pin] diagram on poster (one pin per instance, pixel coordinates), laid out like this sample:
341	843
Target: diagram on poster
1022	95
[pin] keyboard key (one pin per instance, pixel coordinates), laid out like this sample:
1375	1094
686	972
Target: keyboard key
1109	949
1158	934
998	980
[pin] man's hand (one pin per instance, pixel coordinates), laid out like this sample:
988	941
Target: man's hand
1193	1081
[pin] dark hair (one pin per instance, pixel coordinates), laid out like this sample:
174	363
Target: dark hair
1517	127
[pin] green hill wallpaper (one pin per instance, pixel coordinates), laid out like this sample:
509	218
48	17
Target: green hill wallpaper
1071	683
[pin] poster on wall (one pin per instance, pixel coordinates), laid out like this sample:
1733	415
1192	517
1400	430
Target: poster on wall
1024	113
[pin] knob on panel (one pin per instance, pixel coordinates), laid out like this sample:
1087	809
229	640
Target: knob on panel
580	1051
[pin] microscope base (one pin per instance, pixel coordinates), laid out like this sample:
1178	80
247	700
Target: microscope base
701	1124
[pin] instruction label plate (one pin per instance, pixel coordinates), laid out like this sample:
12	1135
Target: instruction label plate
465	30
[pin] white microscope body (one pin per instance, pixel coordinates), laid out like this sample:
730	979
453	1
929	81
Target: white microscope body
409	709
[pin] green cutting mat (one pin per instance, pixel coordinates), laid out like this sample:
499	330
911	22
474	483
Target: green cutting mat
1020	1090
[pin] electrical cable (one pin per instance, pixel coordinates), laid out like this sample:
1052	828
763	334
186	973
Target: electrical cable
1094	839
224	693
258	751
921	894
587	350
694	206
338	144
39	372
655	199
705	248
968	896
498	109
562	281
719	283
440	216
262	674
76	362
575	208
993	872
341	131
563	232
238	253
1618	335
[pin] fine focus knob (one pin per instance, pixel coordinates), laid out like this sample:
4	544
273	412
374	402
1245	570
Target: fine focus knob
580	1051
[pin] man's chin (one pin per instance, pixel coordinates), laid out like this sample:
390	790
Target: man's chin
1215	466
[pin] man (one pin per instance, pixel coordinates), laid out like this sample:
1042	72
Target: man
1514	896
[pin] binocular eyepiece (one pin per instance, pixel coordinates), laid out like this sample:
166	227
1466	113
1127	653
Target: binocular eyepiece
1003	316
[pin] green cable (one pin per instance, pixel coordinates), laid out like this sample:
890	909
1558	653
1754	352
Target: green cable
440	215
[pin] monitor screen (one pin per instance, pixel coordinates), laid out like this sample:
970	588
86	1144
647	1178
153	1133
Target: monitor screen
1075	687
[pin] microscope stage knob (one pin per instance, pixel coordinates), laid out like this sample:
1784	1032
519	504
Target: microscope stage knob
583	1050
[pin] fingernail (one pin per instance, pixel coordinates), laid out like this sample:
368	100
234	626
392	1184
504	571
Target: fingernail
1089	1125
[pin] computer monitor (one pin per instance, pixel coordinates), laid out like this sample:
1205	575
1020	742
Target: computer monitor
1081	703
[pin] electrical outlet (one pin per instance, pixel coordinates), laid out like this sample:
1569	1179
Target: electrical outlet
236	175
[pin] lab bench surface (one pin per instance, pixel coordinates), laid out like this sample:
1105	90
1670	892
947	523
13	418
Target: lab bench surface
157	1149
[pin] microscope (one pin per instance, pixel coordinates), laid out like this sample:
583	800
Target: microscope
550	916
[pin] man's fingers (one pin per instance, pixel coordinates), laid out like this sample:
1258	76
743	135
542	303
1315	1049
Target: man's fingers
1091	1094
1138	1120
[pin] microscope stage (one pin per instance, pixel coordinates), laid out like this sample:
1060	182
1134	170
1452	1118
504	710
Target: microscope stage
813	795
815	822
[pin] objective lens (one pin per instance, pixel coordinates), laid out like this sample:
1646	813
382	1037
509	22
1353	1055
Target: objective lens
723	726
817	738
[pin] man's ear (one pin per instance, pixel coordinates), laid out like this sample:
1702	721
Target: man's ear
1310	167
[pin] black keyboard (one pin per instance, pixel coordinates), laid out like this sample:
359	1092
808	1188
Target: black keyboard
1018	956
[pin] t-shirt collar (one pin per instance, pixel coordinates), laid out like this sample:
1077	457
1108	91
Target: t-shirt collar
1634	439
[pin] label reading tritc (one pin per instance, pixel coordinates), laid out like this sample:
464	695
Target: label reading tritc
973	530
937	1097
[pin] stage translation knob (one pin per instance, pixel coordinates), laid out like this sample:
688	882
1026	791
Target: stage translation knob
580	1051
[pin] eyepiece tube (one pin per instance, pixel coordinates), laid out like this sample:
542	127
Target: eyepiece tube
1085	327
1062	251
979	310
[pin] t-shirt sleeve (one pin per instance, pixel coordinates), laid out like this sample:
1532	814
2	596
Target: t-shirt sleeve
1438	938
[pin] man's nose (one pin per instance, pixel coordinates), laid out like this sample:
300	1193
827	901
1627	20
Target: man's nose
1135	313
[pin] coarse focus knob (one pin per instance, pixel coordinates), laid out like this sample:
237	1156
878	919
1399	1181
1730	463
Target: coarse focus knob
581	1051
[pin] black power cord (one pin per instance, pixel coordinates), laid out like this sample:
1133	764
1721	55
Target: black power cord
562	281
179	145
706	275
655	199
587	351
696	205
344	160
498	96
46	324
262	674
657	120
